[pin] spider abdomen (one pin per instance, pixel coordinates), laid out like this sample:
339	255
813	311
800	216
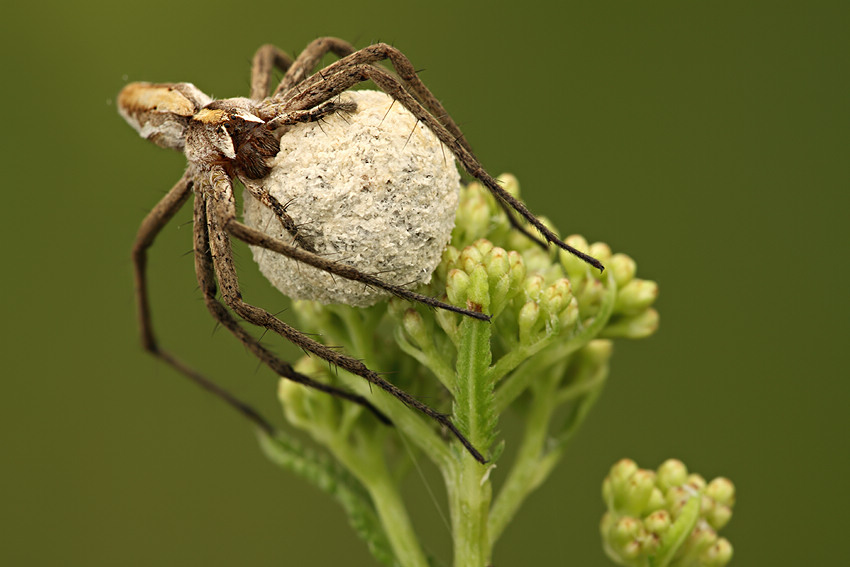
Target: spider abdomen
372	189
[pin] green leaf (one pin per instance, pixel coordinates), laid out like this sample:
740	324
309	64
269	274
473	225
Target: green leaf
328	476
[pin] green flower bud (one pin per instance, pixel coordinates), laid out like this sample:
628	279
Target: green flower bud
677	497
696	481
534	286
625	531
457	287
306	408
721	494
537	261
447	320
473	214
636	296
590	297
633	327
449	262
509	183
527	319
672	472
556	297
622	471
658	522
397	307
656	501
517	269
602	252
483	246
718	554
515	240
719	515
622	268
701	539
569	316
638	492
470	257
575	267
415	327
496	263
479	290
292	396
721	490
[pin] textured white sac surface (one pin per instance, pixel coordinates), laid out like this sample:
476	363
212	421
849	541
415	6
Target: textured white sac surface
369	191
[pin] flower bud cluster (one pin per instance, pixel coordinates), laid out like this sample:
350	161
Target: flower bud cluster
560	290
665	517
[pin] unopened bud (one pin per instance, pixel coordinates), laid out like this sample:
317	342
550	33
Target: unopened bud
721	490
479	290
622	268
602	252
528	316
634	326
672	472
534	286
556	297
449	262
569	316
470	257
509	183
415	327
517	270
636	296
574	265
457	287
658	522
718	554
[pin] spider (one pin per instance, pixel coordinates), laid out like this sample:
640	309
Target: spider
236	138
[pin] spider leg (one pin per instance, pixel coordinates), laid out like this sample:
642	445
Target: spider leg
265	60
279	210
205	272
309	58
221	219
348	73
406	73
149	229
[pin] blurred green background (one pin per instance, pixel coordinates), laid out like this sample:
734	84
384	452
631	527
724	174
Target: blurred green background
709	140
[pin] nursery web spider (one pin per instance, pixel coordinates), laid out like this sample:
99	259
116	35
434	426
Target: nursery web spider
236	138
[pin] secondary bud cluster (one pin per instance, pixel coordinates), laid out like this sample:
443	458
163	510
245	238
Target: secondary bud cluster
665	517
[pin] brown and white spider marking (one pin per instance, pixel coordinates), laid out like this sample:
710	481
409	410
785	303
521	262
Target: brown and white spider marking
236	138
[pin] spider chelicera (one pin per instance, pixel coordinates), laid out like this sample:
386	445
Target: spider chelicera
236	138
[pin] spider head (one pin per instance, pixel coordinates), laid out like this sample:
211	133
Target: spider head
161	112
229	131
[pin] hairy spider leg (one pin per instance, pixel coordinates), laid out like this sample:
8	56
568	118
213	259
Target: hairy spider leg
153	223
347	72
205	271
221	211
309	58
266	59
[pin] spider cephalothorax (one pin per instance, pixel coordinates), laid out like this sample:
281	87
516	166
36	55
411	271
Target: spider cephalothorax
237	138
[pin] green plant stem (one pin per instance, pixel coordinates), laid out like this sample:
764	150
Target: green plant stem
469	489
524	476
366	462
469	502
